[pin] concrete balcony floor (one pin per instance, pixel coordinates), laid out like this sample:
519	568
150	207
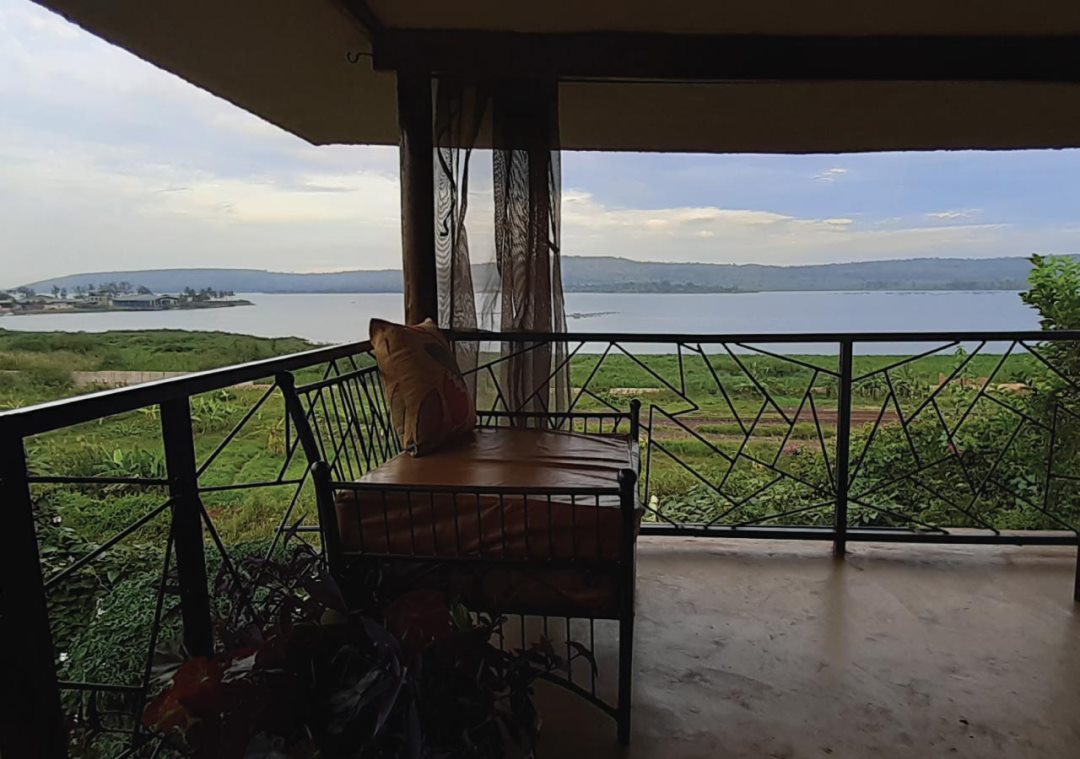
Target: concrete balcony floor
775	649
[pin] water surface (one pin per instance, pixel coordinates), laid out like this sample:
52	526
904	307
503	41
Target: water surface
337	318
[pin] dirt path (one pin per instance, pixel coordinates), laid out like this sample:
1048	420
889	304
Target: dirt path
827	418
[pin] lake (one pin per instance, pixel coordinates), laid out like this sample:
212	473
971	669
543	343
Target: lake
339	318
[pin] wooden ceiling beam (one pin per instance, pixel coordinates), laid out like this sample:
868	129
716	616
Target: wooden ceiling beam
361	11
668	57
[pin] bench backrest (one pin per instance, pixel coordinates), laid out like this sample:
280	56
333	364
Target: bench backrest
342	421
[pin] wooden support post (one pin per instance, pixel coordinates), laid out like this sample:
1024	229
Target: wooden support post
187	527
417	197
31	721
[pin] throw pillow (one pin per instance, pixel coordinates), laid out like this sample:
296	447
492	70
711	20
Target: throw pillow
430	403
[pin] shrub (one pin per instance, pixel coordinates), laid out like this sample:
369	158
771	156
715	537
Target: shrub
50	376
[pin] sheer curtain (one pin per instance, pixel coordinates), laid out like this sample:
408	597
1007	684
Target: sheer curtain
506	273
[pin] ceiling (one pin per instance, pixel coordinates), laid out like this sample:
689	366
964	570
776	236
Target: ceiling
848	17
306	66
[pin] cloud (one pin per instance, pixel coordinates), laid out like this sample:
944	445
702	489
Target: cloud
756	236
830	175
109	163
161	215
953	215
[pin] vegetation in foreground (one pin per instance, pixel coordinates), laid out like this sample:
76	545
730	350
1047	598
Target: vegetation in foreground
366	677
36	366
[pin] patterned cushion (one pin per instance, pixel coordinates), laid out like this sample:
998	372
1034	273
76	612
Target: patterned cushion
430	403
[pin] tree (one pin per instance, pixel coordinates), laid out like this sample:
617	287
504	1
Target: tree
144	290
1055	293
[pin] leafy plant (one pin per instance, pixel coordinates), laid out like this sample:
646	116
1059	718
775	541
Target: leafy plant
137	463
209	412
1055	293
414	676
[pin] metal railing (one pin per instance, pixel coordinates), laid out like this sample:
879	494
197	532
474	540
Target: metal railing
843	404
44	713
965	437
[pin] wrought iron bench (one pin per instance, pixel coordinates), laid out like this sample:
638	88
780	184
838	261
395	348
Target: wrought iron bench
535	515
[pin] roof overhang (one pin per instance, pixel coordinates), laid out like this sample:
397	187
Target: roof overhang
684	75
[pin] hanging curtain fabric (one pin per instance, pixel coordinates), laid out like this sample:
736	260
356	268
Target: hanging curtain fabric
512	269
459	112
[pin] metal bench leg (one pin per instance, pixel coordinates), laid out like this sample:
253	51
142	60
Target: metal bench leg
628	486
1076	582
626	675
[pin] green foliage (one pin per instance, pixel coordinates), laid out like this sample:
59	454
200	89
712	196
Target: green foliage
112	646
137	463
1054	291
215	411
83	455
141	350
1055	294
98	610
409	675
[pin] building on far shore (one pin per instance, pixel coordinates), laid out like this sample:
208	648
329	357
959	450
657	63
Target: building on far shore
141	302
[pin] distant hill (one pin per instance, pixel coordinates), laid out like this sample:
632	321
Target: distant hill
609	274
236	280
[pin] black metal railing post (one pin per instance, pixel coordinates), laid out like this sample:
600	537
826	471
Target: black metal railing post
843	447
187	527
31	720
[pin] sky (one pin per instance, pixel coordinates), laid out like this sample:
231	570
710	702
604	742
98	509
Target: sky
108	163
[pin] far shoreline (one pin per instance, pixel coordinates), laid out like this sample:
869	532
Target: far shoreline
198	306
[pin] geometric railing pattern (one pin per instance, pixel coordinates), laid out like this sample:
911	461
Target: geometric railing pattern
967	444
945	438
199	444
682	417
942	443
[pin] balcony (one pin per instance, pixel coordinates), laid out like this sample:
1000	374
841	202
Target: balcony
852	543
776	649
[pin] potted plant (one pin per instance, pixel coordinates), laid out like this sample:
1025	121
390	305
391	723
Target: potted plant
412	676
